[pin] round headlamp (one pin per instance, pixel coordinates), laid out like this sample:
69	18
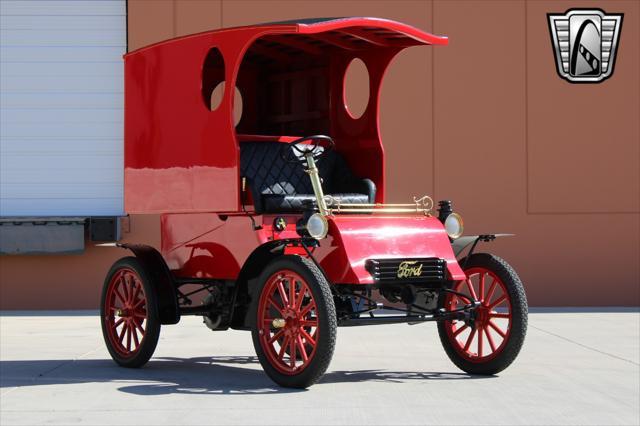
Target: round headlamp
317	226
453	225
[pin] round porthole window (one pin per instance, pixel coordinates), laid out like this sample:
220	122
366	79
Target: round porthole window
216	99
212	76
356	88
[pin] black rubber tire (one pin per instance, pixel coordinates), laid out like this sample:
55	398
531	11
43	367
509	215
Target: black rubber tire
326	312
152	330
519	310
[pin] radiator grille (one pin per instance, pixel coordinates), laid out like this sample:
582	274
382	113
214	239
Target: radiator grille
414	270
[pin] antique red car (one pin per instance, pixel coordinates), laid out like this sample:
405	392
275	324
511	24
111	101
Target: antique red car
275	221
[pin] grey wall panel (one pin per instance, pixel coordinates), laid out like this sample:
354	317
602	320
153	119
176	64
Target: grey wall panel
30	22
61	108
60	100
67	8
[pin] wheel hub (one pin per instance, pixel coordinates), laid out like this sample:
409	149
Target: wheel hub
482	316
292	322
123	312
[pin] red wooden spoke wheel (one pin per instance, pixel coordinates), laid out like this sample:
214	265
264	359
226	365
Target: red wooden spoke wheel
491	340
126	311
490	330
295	331
130	322
288	325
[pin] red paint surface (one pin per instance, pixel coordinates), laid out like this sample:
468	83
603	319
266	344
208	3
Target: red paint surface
182	157
362	237
203	245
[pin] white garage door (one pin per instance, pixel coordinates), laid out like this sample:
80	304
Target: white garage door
61	100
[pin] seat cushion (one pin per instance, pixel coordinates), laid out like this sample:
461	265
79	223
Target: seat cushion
298	202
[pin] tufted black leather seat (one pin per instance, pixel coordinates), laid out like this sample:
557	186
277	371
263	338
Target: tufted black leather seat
279	186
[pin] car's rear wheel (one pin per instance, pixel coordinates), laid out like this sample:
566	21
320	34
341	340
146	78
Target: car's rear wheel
295	322
129	314
491	341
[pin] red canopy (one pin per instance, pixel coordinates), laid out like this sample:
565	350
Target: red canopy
182	156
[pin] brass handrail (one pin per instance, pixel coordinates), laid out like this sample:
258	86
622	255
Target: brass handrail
328	205
422	205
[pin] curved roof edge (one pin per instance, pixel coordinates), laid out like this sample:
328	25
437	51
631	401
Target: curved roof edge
311	26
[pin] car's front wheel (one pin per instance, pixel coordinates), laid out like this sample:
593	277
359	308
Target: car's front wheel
490	342
295	322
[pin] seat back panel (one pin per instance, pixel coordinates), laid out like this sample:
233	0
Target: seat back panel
286	184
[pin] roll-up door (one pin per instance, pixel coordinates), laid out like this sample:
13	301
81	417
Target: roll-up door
61	100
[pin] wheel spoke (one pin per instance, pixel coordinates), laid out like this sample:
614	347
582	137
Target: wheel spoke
132	290
497	329
131	284
276	305
139	326
122	333
139	314
276	336
127	290
303	291
134	299
460	330
292	293
309	323
303	351
128	327
283	347
307	338
490	339
292	352
138	304
472	292
498	301
470	339
117	292
310	306
480	343
481	287
117	323
268	322
135	337
492	288
499	315
283	294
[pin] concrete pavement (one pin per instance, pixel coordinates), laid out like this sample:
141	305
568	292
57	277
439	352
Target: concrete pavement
575	368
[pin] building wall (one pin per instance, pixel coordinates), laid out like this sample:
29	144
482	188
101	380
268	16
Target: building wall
485	121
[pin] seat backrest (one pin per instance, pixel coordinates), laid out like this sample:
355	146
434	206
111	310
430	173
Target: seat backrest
268	173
